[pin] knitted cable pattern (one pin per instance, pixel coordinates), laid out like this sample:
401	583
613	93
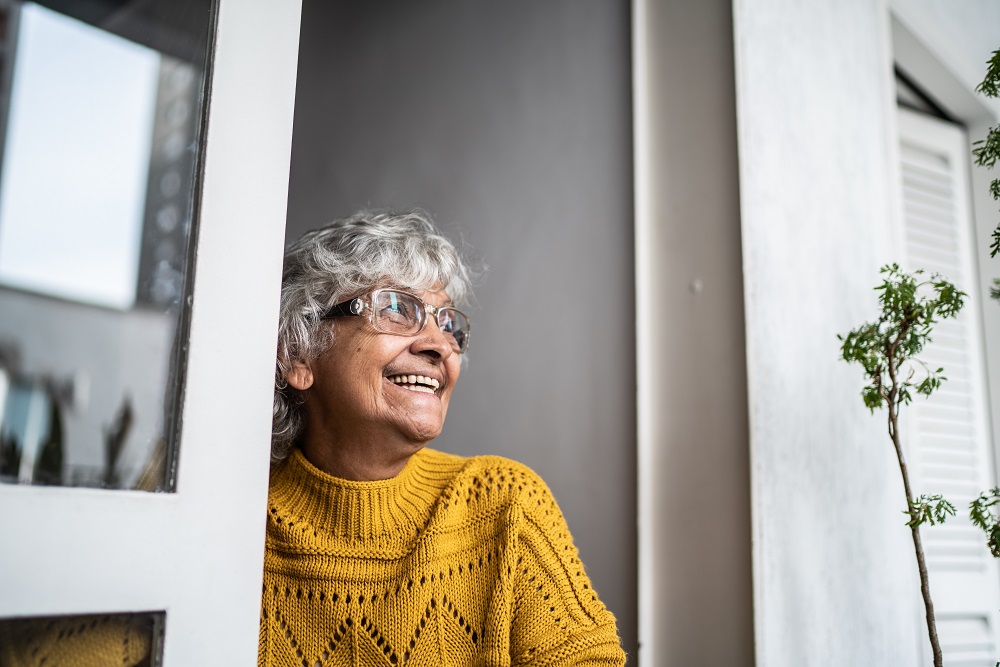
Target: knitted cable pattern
456	561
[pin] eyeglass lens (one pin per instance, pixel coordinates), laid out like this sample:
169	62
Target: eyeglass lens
402	313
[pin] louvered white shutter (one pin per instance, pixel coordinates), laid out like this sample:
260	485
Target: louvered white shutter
948	435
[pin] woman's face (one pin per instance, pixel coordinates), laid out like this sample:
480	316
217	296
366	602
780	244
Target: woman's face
361	386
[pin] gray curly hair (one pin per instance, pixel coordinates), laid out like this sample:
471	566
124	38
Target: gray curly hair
339	261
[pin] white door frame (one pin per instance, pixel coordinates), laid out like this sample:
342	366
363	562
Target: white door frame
198	553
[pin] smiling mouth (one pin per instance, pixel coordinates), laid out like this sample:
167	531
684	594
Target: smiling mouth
419	383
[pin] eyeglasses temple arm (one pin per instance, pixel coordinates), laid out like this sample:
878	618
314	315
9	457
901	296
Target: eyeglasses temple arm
345	308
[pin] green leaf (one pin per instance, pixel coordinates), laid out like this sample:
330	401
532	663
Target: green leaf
910	307
990	86
932	509
982	516
872	397
987	151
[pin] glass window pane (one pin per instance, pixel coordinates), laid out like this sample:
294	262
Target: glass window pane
100	112
100	640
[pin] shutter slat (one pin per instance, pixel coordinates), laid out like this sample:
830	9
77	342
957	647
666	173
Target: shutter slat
967	641
946	432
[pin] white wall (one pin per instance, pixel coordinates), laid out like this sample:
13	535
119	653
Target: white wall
834	579
961	34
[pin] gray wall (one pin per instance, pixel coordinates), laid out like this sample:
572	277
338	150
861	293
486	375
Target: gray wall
511	123
694	471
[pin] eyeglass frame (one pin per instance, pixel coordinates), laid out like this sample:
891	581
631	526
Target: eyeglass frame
357	307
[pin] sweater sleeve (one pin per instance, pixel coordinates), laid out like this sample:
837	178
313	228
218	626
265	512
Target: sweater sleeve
558	619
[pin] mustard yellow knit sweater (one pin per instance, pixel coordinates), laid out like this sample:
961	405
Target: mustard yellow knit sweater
456	561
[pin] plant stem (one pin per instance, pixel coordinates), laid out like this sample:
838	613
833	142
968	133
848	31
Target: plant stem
925	588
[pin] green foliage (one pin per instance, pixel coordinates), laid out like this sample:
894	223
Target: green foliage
987	151
986	154
887	349
910	308
932	509
990	87
982	516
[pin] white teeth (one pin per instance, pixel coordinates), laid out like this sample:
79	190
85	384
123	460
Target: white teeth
416	382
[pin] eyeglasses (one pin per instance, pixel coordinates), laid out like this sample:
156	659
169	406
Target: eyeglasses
403	314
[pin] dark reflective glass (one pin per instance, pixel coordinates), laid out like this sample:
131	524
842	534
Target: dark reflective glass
100	640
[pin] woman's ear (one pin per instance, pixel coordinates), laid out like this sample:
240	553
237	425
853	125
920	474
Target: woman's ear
300	376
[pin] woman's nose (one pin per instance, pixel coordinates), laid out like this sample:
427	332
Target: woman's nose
431	340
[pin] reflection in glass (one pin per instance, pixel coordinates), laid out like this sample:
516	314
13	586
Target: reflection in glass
126	640
83	244
100	106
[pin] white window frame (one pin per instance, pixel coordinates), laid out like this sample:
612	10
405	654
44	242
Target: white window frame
198	553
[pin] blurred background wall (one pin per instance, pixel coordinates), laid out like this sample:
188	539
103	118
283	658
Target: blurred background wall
511	123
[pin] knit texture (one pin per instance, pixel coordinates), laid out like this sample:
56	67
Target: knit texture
455	561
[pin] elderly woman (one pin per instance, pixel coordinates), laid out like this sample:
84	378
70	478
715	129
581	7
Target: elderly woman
381	551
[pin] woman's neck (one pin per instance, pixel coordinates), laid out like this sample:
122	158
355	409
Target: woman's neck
359	461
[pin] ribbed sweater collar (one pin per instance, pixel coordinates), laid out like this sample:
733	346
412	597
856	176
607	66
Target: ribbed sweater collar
342	513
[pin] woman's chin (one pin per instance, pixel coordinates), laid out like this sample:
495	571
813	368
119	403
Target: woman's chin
418	415
420	428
